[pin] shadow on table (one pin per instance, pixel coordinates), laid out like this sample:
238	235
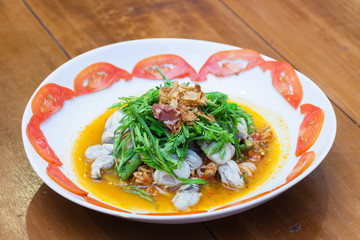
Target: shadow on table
295	214
50	216
291	215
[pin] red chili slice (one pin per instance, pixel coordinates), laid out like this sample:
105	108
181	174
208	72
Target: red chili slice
98	76
172	66
59	177
39	142
49	99
310	127
223	63
285	81
304	162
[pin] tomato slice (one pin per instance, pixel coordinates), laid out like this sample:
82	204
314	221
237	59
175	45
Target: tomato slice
304	162
310	127
49	99
172	66
98	76
59	177
224	63
103	205
39	142
285	81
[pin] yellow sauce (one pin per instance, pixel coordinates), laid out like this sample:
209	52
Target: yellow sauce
214	194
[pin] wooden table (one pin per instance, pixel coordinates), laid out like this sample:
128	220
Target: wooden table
319	38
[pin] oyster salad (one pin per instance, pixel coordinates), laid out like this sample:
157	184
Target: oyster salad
174	140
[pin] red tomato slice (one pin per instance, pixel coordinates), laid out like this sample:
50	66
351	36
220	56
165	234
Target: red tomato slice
285	81
172	66
39	142
49	99
310	127
98	76
59	177
103	205
222	64
304	162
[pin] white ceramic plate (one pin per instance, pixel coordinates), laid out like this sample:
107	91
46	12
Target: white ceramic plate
253	85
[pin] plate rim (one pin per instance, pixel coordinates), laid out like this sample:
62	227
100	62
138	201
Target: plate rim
195	217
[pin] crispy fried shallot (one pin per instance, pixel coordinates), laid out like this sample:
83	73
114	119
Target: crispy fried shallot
144	176
180	104
207	171
263	136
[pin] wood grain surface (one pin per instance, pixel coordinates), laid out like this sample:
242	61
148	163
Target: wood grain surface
320	39
27	56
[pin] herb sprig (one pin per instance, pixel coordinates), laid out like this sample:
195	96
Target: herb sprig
228	116
137	191
143	138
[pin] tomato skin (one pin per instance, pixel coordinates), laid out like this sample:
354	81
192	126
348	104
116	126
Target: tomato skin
39	142
212	64
59	177
103	205
310	127
145	68
304	162
285	81
49	99
98	76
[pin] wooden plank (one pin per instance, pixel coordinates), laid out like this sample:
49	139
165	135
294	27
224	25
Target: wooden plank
27	206
80	26
105	23
27	55
320	39
324	198
51	216
325	205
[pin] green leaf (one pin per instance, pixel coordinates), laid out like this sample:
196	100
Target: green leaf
137	191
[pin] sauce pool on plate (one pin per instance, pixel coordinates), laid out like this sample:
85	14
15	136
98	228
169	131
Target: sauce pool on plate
214	194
